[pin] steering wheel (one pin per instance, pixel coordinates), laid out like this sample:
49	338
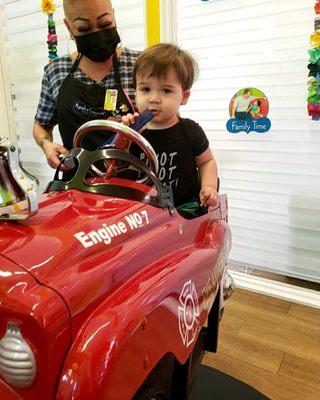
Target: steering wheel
122	141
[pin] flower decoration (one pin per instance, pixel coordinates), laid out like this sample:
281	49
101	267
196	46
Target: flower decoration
48	6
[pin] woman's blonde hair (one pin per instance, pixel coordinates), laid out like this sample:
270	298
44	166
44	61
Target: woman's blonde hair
157	60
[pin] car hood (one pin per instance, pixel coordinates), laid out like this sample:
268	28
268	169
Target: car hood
58	234
83	245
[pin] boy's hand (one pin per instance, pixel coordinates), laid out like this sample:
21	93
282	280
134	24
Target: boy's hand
208	196
129	119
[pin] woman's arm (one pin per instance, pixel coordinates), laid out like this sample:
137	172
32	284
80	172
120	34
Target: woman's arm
43	137
42	133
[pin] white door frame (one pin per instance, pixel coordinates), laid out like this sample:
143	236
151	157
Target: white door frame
168	21
7	121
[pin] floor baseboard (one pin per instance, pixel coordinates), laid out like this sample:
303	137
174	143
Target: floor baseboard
276	289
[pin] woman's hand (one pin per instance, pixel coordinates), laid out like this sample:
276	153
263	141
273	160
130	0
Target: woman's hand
43	136
208	196
52	152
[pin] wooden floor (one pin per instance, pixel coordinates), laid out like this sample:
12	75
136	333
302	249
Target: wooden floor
272	345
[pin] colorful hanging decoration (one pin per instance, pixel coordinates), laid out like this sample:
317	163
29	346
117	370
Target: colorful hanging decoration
48	7
314	68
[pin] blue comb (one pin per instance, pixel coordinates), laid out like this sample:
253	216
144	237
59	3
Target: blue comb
142	120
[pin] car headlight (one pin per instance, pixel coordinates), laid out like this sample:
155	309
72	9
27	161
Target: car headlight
17	361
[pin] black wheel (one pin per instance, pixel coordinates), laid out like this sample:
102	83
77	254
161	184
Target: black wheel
184	375
170	380
158	385
213	325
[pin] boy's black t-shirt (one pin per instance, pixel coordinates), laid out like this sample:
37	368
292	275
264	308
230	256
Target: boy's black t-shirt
176	148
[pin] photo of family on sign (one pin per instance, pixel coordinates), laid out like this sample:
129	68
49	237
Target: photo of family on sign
249	103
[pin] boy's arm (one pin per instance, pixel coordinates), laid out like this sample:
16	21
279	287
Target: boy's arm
208	174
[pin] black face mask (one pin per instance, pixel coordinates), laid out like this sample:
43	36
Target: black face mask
98	46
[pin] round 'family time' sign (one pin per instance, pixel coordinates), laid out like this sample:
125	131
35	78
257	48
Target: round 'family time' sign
248	110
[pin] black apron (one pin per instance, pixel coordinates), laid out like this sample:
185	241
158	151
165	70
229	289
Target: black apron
79	103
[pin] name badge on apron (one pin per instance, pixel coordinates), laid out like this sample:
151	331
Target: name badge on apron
110	101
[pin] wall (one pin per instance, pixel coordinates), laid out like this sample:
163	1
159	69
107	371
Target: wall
272	180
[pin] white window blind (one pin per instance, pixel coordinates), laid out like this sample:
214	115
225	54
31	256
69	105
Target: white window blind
272	180
25	28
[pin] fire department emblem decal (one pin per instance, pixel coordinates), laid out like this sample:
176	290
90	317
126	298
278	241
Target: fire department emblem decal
188	313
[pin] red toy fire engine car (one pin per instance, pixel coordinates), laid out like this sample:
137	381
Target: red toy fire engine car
105	289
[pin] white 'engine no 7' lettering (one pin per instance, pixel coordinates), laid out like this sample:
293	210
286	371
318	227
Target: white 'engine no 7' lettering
106	233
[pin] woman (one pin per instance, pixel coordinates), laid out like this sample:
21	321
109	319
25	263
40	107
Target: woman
86	85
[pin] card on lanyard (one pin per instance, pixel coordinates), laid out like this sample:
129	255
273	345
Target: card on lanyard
110	101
